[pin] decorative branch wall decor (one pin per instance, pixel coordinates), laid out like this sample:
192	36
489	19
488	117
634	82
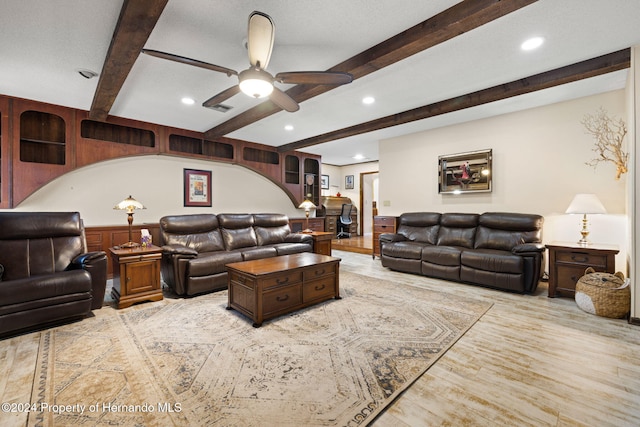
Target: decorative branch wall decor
609	134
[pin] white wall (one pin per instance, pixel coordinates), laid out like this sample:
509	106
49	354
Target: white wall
539	160
157	182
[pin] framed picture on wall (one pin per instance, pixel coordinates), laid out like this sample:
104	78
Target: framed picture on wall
324	182
197	188
348	182
465	172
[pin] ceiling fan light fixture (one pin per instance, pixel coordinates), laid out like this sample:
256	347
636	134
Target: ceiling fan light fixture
256	83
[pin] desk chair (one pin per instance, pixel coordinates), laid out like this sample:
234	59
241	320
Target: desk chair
344	221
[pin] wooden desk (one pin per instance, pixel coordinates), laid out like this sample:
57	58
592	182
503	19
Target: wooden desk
136	275
568	261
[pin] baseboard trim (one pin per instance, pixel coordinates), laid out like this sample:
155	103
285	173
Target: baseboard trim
634	321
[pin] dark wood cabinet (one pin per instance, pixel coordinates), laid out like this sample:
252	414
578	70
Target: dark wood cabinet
299	224
103	238
382	224
568	261
39	142
136	275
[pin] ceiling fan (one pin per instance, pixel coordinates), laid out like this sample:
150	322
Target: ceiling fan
255	81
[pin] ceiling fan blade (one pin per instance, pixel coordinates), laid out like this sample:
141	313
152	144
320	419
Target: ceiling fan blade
260	39
314	77
189	61
283	100
221	97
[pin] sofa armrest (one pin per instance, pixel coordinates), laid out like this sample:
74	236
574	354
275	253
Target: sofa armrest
179	250
391	237
299	238
95	263
528	249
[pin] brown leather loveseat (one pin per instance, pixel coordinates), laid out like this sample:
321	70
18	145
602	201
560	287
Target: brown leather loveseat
49	277
494	249
197	248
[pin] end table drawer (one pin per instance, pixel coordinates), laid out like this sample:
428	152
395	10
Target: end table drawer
281	299
581	258
568	276
321	288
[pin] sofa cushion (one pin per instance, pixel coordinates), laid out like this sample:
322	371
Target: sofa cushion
419	226
504	231
271	235
212	263
239	238
292	248
407	250
457	229
200	232
258	253
442	255
45	286
492	260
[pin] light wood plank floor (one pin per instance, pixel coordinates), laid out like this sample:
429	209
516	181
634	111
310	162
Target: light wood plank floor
529	361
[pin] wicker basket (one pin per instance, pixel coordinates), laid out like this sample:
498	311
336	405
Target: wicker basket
603	294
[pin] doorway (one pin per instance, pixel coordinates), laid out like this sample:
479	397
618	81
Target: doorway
368	196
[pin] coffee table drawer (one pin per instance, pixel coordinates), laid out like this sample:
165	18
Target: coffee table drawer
283	298
291	278
321	288
319	271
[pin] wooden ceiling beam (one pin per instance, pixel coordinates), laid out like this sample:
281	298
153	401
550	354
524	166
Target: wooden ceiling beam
137	20
582	70
459	19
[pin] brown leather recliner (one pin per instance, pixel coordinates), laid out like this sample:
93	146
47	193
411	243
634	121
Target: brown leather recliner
197	248
49	277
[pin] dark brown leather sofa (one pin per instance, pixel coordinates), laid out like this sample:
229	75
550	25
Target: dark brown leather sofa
494	249
49	277
197	248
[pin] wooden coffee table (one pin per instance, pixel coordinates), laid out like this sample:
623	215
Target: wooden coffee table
265	288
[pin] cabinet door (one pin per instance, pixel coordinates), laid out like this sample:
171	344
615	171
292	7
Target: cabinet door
141	276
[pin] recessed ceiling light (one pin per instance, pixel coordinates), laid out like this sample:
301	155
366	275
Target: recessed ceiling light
359	157
368	100
288	128
532	43
188	101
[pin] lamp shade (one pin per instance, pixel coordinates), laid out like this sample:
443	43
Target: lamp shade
586	204
307	205
129	204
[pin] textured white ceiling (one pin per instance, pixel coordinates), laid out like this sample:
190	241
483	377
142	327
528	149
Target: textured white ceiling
44	43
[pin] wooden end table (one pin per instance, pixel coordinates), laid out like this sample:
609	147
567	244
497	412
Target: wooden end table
265	288
568	261
321	242
136	275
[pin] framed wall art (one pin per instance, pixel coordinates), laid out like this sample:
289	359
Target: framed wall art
348	182
465	172
197	188
324	182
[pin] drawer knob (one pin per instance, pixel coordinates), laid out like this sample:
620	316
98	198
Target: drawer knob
319	272
282	298
579	258
282	281
320	287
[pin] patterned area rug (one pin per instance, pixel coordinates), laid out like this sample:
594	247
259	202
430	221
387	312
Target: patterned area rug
192	362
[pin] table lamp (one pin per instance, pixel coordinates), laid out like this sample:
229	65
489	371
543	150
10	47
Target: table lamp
585	204
307	205
129	204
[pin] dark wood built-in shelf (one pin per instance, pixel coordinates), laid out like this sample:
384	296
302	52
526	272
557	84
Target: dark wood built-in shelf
40	142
